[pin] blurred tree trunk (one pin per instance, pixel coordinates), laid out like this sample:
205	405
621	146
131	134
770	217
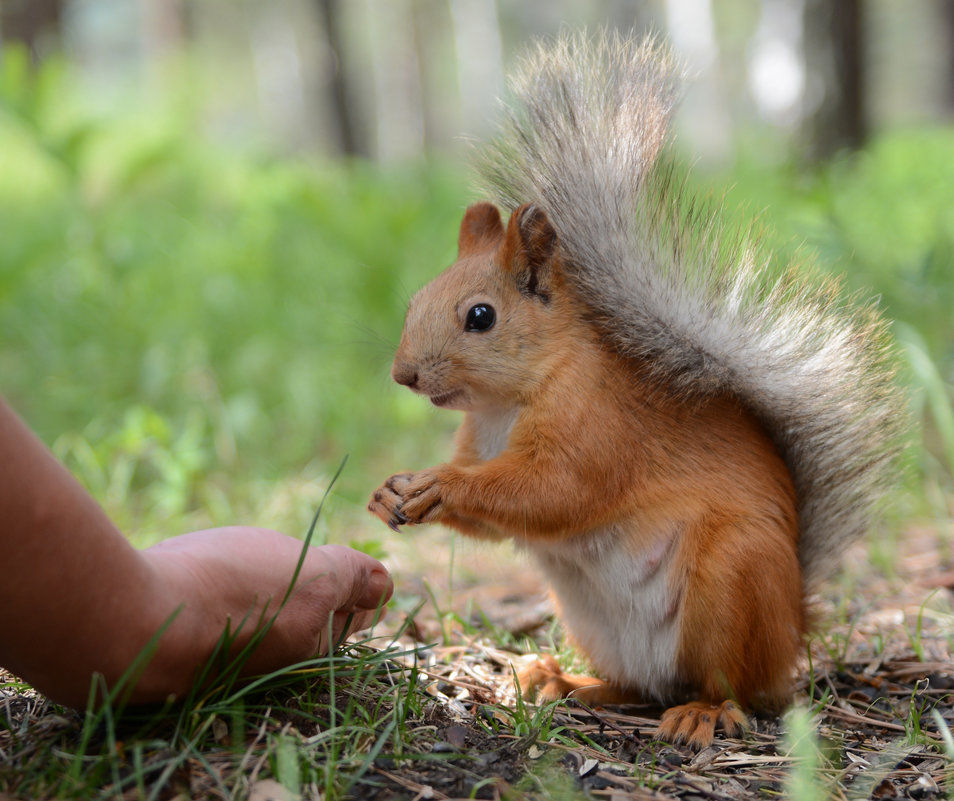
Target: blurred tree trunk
479	52
32	22
692	30
835	44
344	123
947	20
433	37
165	26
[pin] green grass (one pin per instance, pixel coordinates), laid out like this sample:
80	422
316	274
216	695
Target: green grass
318	724
179	320
801	743
191	327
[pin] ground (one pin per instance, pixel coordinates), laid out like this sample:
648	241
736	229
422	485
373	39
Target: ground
445	723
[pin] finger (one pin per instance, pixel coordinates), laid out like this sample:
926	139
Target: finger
359	581
340	626
345	624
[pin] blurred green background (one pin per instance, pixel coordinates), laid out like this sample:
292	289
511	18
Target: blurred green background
212	215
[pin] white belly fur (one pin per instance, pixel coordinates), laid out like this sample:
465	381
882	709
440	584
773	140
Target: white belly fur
493	430
620	607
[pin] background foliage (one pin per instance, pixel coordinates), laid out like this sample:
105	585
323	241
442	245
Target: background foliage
177	319
203	333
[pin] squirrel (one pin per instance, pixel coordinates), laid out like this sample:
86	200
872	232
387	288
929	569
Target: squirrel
682	442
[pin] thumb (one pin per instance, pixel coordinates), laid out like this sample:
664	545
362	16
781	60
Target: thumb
363	582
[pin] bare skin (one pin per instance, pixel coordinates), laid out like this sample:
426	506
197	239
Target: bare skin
78	599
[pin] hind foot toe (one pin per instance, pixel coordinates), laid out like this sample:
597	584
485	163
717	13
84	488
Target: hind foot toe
695	723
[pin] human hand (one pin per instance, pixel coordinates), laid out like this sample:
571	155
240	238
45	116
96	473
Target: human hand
82	601
239	576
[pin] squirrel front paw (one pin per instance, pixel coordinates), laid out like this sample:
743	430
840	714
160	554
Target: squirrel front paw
386	500
424	497
408	498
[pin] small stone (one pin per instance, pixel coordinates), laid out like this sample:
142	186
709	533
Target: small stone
588	766
924	787
270	790
456	736
220	730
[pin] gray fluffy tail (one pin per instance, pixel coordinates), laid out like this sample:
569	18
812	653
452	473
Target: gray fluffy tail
666	282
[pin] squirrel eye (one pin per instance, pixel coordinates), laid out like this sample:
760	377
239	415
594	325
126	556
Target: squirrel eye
480	318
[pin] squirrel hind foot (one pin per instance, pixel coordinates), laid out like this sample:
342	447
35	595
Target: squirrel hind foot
545	681
694	724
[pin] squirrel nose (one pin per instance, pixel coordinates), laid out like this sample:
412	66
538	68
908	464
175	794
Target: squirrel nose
405	375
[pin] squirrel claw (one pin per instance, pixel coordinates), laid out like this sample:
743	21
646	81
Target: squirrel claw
397	520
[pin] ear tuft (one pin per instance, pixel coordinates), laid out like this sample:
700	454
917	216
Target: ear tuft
530	251
480	230
539	238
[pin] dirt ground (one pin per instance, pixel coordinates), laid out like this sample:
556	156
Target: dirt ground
880	689
880	668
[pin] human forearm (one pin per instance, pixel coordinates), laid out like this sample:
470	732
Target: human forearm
74	578
78	599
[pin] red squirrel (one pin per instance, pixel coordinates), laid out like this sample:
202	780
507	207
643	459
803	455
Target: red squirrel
680	444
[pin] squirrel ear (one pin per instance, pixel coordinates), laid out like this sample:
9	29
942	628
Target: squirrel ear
480	230
530	247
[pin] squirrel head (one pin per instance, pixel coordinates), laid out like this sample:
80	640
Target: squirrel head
485	330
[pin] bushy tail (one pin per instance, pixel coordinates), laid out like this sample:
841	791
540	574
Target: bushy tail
669	283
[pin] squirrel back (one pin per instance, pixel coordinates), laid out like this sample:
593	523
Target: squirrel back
667	283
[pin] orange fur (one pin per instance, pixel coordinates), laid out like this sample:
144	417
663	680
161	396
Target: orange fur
566	444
